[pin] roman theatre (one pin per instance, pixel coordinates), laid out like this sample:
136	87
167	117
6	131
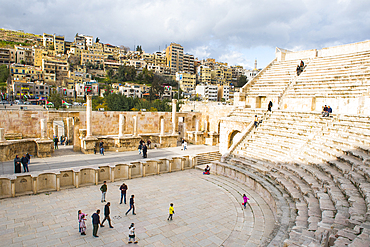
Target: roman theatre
306	174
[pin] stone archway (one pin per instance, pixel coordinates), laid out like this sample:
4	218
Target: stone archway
232	137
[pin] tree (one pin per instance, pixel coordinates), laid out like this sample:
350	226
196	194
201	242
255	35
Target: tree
4	73
97	40
138	48
23	62
242	80
110	73
51	47
56	99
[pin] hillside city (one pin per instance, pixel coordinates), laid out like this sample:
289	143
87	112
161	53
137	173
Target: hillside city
38	66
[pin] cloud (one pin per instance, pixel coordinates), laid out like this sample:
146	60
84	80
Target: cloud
205	27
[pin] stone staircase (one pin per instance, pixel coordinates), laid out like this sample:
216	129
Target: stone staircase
207	158
322	164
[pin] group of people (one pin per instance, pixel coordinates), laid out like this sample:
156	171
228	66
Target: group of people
326	111
96	215
24	161
63	141
143	148
300	68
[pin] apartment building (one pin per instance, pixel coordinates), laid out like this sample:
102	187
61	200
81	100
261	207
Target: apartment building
89	40
133	90
207	92
223	93
7	56
87	88
26	73
59	44
91	57
175	57
29	89
188	64
54	70
204	74
47	40
160	59
80	42
24	55
186	81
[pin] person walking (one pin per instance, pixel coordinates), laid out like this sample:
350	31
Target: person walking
245	199
106	215
123	188
24	162
140	147
172	211
103	190
131	234
145	151
185	145
132	205
55	142
96	222
17	165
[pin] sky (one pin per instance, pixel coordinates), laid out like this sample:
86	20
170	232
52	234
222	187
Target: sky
232	31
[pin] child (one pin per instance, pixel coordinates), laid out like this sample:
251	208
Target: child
172	211
80	214
185	145
131	233
245	198
83	225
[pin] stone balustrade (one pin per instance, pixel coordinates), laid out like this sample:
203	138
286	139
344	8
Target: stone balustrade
55	180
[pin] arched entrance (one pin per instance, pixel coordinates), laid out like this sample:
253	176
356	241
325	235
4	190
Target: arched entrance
234	136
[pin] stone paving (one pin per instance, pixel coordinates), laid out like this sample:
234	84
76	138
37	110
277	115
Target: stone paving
206	214
64	157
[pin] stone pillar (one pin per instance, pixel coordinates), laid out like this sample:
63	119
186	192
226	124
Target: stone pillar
205	126
76	137
58	182
112	174
88	115
121	124
162	127
2	135
135	126
49	129
174	102
196	125
56	130
43	126
184	130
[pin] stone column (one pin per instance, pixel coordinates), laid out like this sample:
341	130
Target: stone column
184	130
2	135
121	124
174	102
43	127
88	115
162	127
56	130
135	126
205	126
196	125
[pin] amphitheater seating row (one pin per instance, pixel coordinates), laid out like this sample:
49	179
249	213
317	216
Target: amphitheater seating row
323	164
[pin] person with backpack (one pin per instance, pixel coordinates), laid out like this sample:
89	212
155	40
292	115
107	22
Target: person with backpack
131	234
103	190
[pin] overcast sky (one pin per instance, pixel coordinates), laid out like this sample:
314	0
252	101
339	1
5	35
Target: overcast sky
233	31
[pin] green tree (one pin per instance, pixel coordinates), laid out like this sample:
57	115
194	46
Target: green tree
4	73
56	99
242	80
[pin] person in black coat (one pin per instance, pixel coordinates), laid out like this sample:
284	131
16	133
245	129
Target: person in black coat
24	162
106	215
17	164
145	150
96	222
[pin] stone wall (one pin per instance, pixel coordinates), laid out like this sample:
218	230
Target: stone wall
227	128
55	180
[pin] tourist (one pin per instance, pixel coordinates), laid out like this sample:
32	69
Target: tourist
145	151
207	170
330	110
123	188
80	214
255	121
140	147
298	70
96	222
24	162
101	146
55	139
269	106
17	165
83	225
131	234
66	141
185	145
132	205
103	190
28	156
106	215
325	111
302	65
245	199
148	143
172	211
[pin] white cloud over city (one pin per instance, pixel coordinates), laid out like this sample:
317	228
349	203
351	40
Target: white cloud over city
233	31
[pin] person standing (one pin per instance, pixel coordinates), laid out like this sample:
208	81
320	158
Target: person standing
96	222
106	215
17	164
255	121
28	156
123	188
140	147
101	146
269	106
148	143
185	145
24	162
83	225
80	214
131	234
132	205
55	142
103	190
172	211
145	151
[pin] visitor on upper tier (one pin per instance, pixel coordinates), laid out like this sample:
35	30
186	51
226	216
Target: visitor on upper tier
269	106
255	121
298	70
330	110
207	170
325	111
302	64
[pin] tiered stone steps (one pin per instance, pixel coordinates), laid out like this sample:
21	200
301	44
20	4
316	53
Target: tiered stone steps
323	164
207	158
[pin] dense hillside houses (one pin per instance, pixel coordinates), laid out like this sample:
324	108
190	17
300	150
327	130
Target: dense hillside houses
81	66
